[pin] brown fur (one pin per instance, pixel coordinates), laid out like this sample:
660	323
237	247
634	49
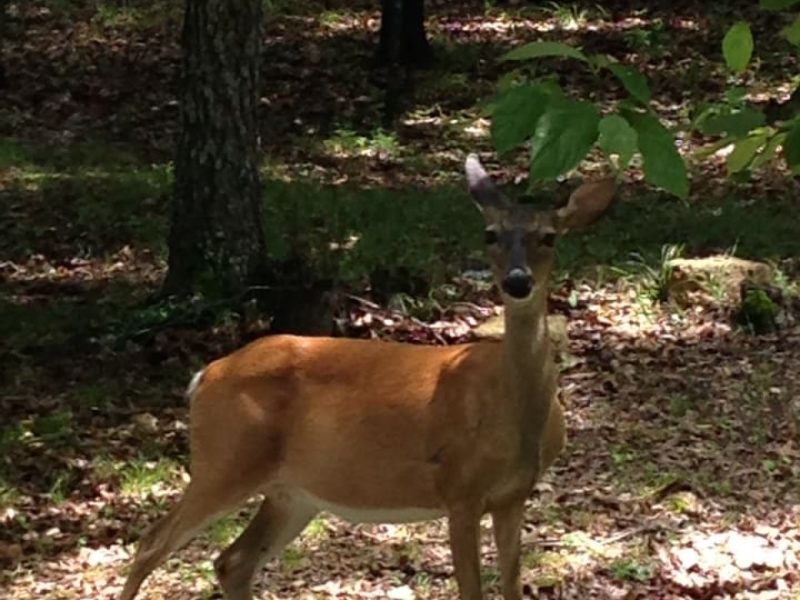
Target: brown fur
281	410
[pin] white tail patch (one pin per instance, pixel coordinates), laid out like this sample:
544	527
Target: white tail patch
194	384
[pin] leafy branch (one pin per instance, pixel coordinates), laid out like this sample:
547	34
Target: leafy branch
563	131
754	136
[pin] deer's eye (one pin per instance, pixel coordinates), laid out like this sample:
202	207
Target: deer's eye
491	236
548	239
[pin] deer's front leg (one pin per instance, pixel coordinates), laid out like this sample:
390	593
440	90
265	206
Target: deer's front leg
507	523
464	526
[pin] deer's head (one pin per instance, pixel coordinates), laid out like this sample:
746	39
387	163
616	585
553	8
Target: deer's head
520	239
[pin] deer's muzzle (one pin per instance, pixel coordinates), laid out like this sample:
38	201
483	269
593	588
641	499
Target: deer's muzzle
517	283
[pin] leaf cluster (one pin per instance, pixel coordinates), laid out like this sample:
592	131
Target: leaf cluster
754	135
563	131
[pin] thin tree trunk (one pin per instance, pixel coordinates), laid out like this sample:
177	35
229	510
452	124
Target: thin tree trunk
402	34
418	50
4	33
216	239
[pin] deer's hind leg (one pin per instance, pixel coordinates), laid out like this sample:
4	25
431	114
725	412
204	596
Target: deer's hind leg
279	520
199	505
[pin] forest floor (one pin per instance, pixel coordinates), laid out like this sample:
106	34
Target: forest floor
681	475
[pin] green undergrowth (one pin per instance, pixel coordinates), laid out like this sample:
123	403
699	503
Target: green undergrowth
130	15
91	199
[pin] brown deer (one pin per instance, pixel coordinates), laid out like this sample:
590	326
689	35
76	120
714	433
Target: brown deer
378	431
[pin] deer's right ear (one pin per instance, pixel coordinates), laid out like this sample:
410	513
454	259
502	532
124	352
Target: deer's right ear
485	193
586	205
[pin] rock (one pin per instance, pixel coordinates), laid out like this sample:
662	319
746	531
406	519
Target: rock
720	277
146	422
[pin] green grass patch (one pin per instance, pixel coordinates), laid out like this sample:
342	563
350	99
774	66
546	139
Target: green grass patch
347	142
77	156
91	198
9	494
95	394
13	437
52	326
317	529
105	468
141	477
680	404
192	571
54	427
622	455
490	577
293	558
629	569
12	154
130	15
60	488
225	530
38	324
400	241
414	240
405	244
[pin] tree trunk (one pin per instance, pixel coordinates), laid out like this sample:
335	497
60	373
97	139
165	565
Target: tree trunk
217	239
402	35
4	33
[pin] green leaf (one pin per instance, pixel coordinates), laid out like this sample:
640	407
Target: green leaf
736	96
515	116
738	123
617	137
663	166
743	152
737	46
791	148
792	32
634	82
777	4
564	135
600	60
768	153
551	88
508	81
706	151
539	49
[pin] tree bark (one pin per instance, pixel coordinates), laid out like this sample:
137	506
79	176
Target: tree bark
217	238
4	33
402	34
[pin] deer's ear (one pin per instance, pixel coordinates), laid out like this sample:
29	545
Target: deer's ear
586	204
485	193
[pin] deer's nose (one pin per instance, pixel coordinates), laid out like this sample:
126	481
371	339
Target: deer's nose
517	283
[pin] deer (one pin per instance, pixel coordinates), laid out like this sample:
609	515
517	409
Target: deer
385	432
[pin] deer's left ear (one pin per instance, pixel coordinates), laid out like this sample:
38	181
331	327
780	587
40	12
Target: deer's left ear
586	204
485	193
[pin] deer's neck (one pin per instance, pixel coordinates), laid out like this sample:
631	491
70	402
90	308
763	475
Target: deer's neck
528	365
